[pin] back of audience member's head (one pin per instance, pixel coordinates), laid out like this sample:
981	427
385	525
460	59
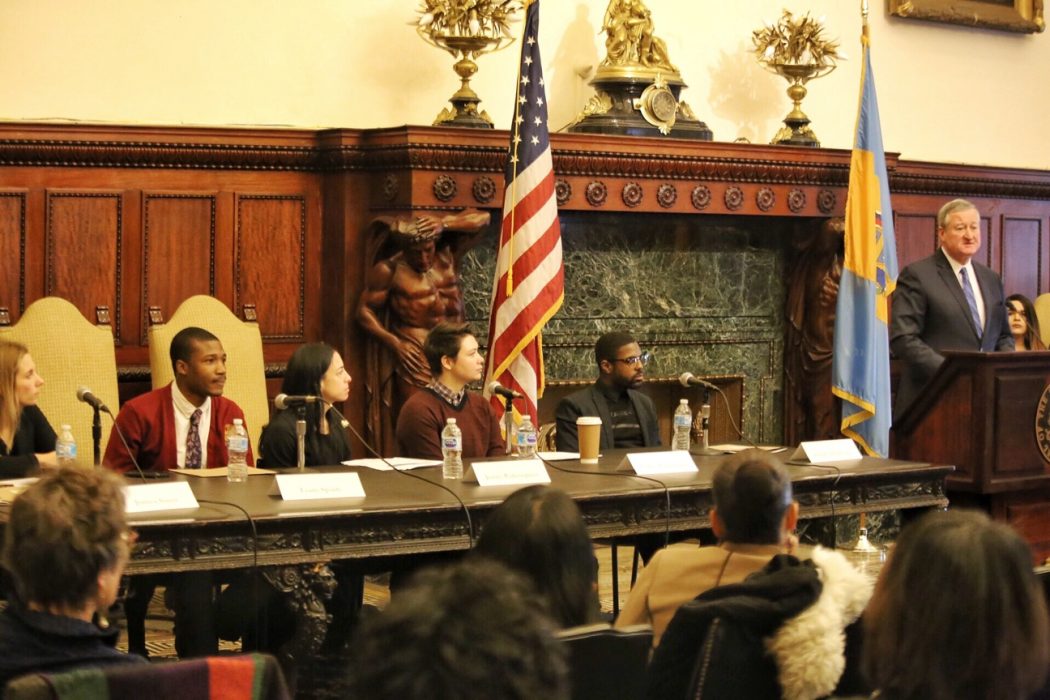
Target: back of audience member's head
539	531
752	494
957	613
472	630
65	532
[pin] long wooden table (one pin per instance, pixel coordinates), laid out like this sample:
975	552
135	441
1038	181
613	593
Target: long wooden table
406	514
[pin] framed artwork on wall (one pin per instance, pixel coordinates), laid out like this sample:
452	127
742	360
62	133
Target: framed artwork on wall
1021	16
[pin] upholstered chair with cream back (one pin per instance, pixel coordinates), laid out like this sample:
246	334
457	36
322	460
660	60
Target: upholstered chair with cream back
69	352
242	341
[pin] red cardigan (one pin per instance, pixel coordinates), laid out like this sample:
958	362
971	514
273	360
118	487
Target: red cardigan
148	424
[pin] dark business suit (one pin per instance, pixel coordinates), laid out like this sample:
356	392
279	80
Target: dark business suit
930	315
591	402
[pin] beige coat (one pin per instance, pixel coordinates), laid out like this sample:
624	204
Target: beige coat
677	574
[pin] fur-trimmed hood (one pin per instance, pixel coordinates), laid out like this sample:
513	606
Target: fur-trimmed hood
810	648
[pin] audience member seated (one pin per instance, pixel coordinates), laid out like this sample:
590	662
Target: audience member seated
780	632
472	630
539	532
752	517
452	353
957	614
1024	324
181	425
313	370
27	440
66	543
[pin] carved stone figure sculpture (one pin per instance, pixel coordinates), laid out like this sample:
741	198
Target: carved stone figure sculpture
413	284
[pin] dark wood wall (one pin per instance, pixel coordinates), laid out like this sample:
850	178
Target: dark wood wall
133	217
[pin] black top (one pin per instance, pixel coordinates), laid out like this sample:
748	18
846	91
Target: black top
277	446
34	435
38	642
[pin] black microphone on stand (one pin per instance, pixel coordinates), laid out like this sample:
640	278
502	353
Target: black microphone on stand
84	394
687	379
283	401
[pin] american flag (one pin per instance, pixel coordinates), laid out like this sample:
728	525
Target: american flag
528	287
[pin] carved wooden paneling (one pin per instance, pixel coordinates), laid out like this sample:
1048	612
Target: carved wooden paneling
1022	250
83	247
178	250
270	263
916	236
13	251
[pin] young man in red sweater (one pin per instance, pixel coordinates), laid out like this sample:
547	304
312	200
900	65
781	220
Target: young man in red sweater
452	353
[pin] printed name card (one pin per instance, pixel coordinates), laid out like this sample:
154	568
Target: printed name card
508	472
308	487
823	451
652	463
147	498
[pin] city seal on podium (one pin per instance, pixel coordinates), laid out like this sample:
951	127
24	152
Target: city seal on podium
1042	424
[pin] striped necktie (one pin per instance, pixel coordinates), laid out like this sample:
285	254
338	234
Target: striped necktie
972	301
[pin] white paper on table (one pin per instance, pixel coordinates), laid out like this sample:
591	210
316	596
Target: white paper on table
557	456
148	498
655	463
733	448
825	451
392	463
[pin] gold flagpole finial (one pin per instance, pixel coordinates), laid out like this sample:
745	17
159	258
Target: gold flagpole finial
864	18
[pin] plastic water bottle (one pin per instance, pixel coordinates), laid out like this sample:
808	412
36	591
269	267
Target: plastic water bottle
683	423
526	438
451	451
66	447
237	450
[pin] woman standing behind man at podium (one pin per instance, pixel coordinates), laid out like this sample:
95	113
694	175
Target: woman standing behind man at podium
27	440
315	369
1024	324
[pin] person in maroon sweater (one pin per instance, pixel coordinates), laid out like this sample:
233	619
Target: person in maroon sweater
452	352
180	425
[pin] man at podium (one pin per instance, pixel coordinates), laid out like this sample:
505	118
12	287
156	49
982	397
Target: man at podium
947	301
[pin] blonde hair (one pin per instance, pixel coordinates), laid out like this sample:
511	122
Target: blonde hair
11	354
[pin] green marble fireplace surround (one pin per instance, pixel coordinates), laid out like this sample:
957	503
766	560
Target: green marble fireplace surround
704	294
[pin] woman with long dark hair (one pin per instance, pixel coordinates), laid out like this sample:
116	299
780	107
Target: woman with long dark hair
1024	324
538	531
315	369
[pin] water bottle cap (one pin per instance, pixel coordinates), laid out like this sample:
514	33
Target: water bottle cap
685	401
238	421
452	421
67	426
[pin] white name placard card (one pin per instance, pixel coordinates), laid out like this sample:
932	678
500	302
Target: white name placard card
508	472
147	498
823	451
308	487
665	462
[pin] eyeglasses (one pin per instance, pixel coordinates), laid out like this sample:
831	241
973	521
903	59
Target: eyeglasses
642	359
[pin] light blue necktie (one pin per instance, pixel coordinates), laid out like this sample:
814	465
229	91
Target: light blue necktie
971	300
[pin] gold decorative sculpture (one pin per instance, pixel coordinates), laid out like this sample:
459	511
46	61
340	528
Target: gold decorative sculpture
797	50
466	29
636	85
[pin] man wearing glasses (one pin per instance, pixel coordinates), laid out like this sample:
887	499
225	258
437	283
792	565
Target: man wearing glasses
628	416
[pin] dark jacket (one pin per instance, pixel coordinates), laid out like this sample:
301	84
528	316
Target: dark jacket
778	634
34	435
33	642
278	445
930	315
591	402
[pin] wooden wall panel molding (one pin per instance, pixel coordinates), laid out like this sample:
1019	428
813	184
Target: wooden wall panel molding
83	241
13	251
1021	243
270	263
178	250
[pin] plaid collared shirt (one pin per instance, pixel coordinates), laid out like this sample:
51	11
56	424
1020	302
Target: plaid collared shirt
452	398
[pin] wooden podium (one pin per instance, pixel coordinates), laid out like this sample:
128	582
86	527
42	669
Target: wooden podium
987	414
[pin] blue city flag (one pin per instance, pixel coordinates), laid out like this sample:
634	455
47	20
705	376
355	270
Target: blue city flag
860	373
